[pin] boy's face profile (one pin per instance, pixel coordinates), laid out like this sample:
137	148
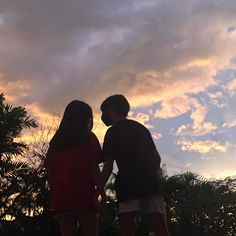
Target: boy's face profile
106	119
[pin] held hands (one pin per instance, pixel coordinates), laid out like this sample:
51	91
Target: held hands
100	198
101	203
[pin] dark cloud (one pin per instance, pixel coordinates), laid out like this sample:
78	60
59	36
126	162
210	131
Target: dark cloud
89	49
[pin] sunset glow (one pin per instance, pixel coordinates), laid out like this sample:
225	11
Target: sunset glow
175	62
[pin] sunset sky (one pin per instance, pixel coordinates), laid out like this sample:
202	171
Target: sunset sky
174	60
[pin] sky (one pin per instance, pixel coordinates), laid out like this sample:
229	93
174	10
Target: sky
175	61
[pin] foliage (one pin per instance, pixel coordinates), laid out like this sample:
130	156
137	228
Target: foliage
194	205
198	206
12	121
22	188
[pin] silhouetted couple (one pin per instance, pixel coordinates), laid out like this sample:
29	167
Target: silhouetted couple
74	176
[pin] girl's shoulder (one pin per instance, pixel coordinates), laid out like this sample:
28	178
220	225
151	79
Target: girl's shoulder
95	147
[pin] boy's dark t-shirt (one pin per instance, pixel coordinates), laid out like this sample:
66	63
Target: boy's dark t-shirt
131	145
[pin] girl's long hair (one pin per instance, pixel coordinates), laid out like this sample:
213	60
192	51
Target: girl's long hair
75	126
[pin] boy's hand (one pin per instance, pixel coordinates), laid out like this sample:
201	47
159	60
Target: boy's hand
103	200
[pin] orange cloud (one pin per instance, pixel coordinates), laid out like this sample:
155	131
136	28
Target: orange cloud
199	126
48	124
215	95
42	116
230	124
157	135
14	90
203	147
232	85
214	99
173	107
170	87
142	118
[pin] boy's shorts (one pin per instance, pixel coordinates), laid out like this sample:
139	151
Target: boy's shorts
147	204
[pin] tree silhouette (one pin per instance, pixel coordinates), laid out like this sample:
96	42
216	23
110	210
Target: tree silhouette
196	206
16	185
12	121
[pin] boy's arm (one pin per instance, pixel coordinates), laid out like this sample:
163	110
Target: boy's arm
97	179
105	174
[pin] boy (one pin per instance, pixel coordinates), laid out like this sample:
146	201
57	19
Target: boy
130	144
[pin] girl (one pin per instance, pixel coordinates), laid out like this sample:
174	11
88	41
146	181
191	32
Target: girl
72	163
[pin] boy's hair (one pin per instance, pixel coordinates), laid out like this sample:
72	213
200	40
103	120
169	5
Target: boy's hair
118	103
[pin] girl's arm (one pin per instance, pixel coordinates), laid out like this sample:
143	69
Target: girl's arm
96	173
97	180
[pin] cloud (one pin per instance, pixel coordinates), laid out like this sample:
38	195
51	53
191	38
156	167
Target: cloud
42	116
144	49
142	118
230	124
216	99
202	129
157	135
215	95
203	147
173	107
199	126
231	28
10	89
232	85
162	55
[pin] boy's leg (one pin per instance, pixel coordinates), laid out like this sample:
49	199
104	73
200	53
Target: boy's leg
67	225
126	221
89	224
154	207
159	224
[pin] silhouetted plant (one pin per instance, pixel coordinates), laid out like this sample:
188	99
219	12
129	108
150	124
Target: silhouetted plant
19	182
195	205
12	121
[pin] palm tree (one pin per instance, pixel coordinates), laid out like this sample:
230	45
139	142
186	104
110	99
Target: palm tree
12	121
194	205
199	206
14	175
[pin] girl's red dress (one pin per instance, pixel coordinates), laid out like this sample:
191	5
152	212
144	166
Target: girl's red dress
71	181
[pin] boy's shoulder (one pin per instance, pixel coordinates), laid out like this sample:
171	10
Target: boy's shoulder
127	122
127	126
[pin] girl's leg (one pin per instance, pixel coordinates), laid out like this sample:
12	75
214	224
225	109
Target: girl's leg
68	225
126	221
89	224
